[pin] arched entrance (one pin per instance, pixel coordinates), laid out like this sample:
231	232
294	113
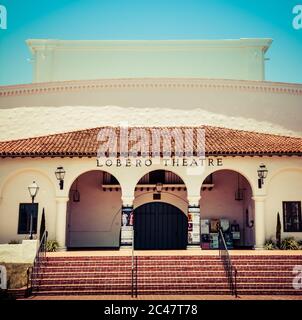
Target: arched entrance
94	211
226	197
160	207
160	226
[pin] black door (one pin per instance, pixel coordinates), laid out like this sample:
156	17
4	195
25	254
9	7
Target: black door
159	226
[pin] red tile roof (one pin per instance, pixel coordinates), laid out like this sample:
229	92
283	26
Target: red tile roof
219	141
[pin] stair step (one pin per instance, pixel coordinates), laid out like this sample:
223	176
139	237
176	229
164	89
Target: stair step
168	263
165	286
201	273
164	281
166	268
166	275
181	257
170	292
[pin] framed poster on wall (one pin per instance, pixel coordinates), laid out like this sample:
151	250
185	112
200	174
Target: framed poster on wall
204	226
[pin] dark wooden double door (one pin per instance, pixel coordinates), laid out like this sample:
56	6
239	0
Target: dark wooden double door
160	226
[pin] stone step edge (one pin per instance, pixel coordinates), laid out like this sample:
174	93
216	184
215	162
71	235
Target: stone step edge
147	273
160	272
177	256
155	284
168	278
172	260
169	292
168	265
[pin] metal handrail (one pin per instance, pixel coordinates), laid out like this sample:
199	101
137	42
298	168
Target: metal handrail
40	258
230	269
133	270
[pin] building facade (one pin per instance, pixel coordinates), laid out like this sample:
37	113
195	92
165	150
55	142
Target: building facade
171	202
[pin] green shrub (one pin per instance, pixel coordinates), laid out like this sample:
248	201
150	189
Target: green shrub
289	244
52	245
270	245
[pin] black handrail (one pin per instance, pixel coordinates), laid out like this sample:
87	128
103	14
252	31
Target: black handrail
133	270
39	260
230	270
134	278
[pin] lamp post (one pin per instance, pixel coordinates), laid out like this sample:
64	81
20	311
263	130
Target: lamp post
262	174
60	174
33	191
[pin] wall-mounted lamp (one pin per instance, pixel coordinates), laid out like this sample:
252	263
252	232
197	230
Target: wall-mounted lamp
159	187
60	174
262	174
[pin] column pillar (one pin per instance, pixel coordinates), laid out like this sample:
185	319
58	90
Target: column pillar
194	223
259	202
61	208
127	231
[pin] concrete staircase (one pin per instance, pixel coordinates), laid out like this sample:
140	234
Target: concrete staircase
162	275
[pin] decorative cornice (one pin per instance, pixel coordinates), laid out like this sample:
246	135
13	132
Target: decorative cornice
145	45
94	155
150	83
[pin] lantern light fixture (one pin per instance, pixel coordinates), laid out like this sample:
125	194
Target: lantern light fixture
60	174
33	191
262	174
159	187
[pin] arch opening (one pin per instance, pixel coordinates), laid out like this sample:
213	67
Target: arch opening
160	212
160	226
94	211
226	197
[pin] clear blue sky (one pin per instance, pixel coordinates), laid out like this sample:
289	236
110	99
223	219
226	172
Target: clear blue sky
151	19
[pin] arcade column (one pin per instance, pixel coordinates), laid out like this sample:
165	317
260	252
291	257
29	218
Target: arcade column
61	206
127	223
259	221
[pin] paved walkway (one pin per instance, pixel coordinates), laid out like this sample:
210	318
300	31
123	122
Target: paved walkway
189	252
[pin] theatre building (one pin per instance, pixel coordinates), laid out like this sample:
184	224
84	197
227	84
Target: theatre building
212	95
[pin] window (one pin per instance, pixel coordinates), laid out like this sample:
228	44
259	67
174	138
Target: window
292	216
160	176
109	178
157	176
25	211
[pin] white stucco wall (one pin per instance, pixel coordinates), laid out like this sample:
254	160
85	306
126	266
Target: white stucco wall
24	252
57	60
220	202
177	198
94	221
15	191
248	105
284	186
